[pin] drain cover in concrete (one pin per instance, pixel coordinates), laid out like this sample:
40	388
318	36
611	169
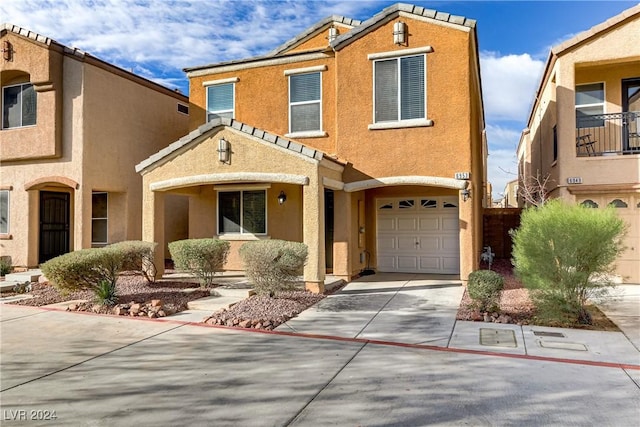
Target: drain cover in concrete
548	334
557	345
498	337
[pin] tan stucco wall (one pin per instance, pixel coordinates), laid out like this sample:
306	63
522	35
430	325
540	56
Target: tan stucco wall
320	40
106	125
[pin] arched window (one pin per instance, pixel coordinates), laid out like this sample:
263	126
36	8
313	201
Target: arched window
617	203
589	204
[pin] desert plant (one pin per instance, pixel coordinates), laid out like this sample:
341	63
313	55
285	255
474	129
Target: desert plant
564	254
201	257
484	288
5	266
273	265
105	293
138	257
84	269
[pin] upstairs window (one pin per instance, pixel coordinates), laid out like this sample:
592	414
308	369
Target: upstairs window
305	102
4	211
99	219
589	105
220	101
399	89
18	106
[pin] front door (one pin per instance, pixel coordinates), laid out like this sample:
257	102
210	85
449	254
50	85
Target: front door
631	115
54	224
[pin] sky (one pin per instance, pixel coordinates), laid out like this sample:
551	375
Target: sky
158	38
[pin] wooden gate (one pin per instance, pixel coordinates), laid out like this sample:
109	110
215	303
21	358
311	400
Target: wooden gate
496	225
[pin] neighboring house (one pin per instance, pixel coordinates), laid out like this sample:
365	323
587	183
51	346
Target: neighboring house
510	195
584	130
73	128
350	138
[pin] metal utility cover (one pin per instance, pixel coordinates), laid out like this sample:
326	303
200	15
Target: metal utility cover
548	334
557	345
498	337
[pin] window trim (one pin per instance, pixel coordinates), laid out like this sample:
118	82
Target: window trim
314	133
7	234
399	122
21	91
100	218
221	82
603	103
241	233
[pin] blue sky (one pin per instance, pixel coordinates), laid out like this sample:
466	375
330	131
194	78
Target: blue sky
158	38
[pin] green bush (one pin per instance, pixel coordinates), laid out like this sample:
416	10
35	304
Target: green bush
201	257
5	266
138	257
84	269
273	265
484	288
106	293
564	254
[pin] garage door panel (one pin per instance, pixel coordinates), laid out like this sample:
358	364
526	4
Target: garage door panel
408	262
387	263
450	264
450	224
407	224
386	243
386	224
406	243
429	243
429	263
429	223
450	243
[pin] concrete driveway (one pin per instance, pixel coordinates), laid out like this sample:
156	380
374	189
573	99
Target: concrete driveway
101	371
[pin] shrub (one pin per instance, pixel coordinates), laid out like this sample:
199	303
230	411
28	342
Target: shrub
273	265
564	254
201	257
106	293
138	257
484	288
5	266
84	269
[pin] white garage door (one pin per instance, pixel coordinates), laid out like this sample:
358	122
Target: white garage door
418	235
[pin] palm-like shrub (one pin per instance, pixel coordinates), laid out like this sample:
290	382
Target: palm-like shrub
201	257
564	254
273	265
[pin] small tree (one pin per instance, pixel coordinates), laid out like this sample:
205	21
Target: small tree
564	254
201	257
273	265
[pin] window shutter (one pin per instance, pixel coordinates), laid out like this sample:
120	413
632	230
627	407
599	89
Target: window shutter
412	87
386	90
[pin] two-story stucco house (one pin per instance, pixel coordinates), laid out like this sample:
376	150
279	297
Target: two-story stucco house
583	132
73	129
364	140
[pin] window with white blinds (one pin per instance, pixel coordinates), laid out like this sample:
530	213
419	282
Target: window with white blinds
399	89
305	102
220	101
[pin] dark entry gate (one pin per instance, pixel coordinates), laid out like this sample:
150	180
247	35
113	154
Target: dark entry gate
496	225
54	224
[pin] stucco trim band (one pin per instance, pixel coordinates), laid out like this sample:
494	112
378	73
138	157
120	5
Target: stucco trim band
397	53
221	81
411	123
430	181
44	181
332	184
305	70
216	178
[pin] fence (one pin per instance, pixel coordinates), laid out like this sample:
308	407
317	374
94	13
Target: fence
496	225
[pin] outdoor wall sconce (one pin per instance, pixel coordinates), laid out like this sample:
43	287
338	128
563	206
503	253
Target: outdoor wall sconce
466	194
399	33
7	50
223	150
333	34
282	197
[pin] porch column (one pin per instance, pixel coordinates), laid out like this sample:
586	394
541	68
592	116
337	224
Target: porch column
342	236
313	234
153	224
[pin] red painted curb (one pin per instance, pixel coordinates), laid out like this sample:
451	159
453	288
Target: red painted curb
362	341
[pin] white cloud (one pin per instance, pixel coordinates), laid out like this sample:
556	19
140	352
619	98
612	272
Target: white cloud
502	167
509	84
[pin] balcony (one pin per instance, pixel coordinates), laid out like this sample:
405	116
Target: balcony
608	134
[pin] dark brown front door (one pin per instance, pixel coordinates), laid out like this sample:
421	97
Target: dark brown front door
54	224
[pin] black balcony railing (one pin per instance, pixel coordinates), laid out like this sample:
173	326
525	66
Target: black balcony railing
608	134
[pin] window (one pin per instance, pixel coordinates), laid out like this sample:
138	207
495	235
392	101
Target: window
406	204
429	203
220	101
4	212
18	106
399	89
305	102
99	221
242	212
589	204
617	203
589	105
555	143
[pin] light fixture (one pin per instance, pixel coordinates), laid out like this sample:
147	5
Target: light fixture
223	150
466	194
399	33
7	50
282	197
333	34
